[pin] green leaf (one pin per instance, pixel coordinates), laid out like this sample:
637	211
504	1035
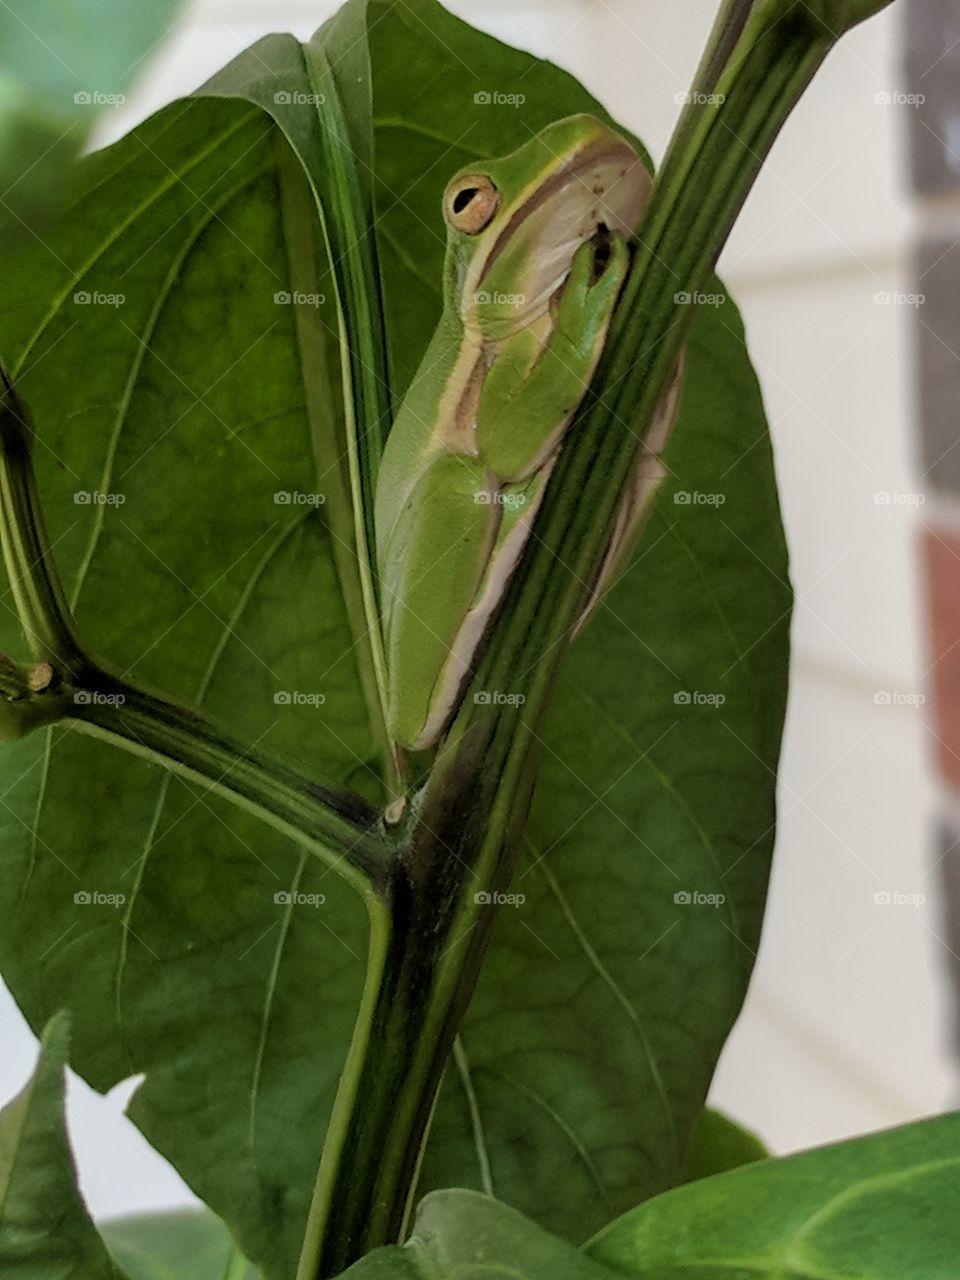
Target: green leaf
877	1208
58	73
181	387
720	1144
639	798
806	1217
469	1236
188	1245
320	95
45	1231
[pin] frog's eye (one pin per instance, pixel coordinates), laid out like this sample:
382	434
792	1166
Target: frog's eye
470	203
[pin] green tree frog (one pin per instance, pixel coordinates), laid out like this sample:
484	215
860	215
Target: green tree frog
535	259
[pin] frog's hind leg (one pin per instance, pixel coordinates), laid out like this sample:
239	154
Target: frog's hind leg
439	551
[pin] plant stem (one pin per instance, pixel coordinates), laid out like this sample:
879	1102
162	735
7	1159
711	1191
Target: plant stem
465	839
41	603
461	852
339	828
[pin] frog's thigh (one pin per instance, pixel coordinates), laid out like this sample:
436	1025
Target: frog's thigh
435	564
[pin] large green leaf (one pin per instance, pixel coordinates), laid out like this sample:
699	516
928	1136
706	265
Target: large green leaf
604	1003
45	1231
196	399
188	400
878	1208
882	1207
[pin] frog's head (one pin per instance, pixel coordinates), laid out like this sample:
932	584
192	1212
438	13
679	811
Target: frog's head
514	224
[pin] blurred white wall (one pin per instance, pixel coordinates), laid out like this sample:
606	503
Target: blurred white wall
845	1028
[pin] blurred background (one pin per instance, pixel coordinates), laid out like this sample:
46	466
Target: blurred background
840	262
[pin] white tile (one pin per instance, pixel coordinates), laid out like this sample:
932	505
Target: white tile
830	189
835	370
794	1093
845	1026
833	185
545	29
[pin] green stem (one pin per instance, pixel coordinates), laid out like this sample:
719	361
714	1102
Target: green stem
460	855
41	605
466	837
348	1097
338	827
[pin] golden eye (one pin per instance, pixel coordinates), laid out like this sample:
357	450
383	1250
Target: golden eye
470	203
